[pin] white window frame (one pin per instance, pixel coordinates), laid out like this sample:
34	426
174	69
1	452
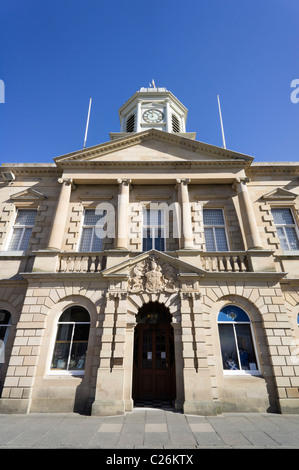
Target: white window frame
216	226
93	227
294	225
240	371
66	372
154	227
23	227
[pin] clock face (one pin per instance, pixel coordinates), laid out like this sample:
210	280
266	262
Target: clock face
153	115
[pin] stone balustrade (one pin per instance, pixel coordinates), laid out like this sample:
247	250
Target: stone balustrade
225	261
211	262
81	262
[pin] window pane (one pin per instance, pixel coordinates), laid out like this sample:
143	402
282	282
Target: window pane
97	242
5	322
159	244
25	240
282	238
153	217
245	345
26	217
60	356
86	239
160	217
209	238
81	332
159	239
92	237
213	217
147	243
220	239
3	333
5	317
78	356
233	313
282	216
153	235
146	216
228	347
64	332
15	239
292	238
75	314
91	218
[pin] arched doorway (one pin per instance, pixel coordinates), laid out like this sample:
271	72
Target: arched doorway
154	358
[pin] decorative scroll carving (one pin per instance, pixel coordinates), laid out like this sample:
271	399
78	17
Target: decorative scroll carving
152	277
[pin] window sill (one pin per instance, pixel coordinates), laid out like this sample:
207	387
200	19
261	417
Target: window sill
66	373
12	253
242	373
289	254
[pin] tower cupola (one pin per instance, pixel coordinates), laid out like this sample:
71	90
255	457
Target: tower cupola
152	108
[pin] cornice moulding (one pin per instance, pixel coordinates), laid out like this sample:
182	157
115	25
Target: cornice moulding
273	167
162	163
33	169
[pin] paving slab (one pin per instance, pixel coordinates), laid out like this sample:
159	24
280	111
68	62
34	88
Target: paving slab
149	429
259	438
131	433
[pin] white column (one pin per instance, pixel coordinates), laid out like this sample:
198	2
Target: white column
168	116
60	217
138	116
187	235
122	234
247	213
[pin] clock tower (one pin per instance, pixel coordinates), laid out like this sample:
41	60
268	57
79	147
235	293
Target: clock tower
153	107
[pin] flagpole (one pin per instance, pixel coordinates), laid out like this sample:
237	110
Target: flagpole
87	124
223	138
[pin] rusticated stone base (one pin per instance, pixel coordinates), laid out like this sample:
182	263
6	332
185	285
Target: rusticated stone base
14	406
204	408
107	408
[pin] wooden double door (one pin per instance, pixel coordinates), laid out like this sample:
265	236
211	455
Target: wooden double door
154	362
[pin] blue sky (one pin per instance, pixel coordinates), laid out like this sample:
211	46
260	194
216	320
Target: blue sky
56	54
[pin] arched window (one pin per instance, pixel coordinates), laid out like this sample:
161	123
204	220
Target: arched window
71	341
236	340
5	323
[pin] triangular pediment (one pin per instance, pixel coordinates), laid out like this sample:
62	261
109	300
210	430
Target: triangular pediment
280	194
28	195
153	146
154	272
124	268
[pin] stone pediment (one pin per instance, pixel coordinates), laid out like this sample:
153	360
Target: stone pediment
280	194
153	272
153	146
28	195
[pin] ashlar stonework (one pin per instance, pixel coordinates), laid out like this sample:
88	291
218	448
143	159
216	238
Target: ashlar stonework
151	269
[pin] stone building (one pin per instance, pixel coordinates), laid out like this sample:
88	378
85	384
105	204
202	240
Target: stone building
149	269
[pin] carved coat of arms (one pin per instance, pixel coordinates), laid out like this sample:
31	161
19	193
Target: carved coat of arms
152	277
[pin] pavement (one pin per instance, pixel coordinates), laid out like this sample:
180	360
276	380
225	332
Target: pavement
146	428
